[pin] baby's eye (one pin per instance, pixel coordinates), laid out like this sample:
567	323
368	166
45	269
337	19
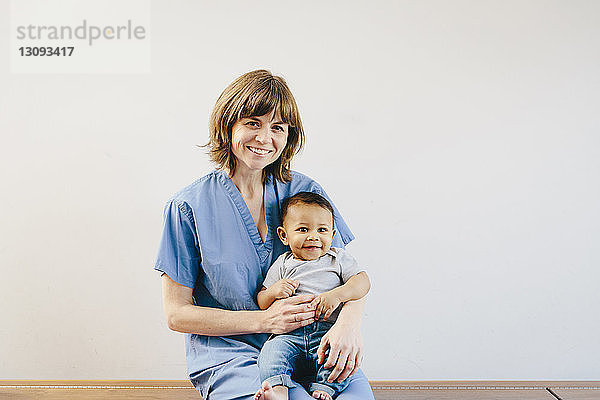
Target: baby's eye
323	230
302	230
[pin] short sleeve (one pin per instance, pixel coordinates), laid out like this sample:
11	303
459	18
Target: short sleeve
275	272
344	235
178	252
348	265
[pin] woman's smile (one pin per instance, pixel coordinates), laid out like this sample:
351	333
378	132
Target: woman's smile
259	151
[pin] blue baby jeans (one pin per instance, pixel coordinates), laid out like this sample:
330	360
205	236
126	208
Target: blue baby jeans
297	351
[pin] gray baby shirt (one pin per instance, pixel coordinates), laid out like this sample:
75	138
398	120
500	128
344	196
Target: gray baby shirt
327	272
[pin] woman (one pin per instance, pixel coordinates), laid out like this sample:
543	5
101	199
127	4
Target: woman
219	240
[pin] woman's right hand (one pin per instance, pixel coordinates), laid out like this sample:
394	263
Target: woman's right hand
285	315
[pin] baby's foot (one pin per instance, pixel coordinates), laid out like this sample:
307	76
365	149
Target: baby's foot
267	392
318	394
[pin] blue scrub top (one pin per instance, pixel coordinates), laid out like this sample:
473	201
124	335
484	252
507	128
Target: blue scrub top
210	243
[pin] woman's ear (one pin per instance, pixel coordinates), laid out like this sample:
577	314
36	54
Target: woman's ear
282	235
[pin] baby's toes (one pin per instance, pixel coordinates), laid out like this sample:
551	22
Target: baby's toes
318	394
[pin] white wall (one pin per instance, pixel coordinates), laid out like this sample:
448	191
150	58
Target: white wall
459	139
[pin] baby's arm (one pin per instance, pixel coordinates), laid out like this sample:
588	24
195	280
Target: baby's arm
281	289
355	288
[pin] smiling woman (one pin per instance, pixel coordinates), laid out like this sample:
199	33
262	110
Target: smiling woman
258	141
256	100
219	240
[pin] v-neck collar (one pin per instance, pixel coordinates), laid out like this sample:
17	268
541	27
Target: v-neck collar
263	249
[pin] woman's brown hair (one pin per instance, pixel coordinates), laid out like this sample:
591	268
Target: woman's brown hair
255	93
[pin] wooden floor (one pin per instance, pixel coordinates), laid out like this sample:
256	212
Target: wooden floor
384	390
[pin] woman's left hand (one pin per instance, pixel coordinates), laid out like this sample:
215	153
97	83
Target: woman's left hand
345	350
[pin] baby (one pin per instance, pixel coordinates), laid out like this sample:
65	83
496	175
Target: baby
311	267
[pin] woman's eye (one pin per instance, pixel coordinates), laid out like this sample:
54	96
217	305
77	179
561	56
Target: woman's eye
278	128
252	123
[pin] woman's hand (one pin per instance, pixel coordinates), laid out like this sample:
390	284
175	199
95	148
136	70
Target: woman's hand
288	314
345	343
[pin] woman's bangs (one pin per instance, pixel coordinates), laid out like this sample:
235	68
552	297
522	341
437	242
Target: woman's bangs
266	99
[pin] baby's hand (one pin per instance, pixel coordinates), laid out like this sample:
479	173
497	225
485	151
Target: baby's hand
283	288
326	304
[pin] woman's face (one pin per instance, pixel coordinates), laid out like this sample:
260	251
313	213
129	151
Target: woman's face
258	141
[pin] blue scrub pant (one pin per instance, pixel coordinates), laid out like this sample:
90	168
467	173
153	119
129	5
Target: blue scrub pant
239	379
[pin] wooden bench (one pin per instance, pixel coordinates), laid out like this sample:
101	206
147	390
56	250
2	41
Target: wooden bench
384	390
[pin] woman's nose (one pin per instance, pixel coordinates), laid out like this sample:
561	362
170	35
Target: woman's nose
263	135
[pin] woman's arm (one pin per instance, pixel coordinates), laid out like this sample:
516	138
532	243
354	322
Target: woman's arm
345	342
183	316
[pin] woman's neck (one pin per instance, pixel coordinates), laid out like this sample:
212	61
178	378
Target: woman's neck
249	183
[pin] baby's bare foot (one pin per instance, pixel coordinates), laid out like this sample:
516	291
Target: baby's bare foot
267	392
318	394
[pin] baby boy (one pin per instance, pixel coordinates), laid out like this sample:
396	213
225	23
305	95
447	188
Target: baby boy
311	266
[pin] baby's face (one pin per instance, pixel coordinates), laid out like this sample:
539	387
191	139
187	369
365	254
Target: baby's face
308	230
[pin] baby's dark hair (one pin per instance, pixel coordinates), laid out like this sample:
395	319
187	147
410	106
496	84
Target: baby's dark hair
305	198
